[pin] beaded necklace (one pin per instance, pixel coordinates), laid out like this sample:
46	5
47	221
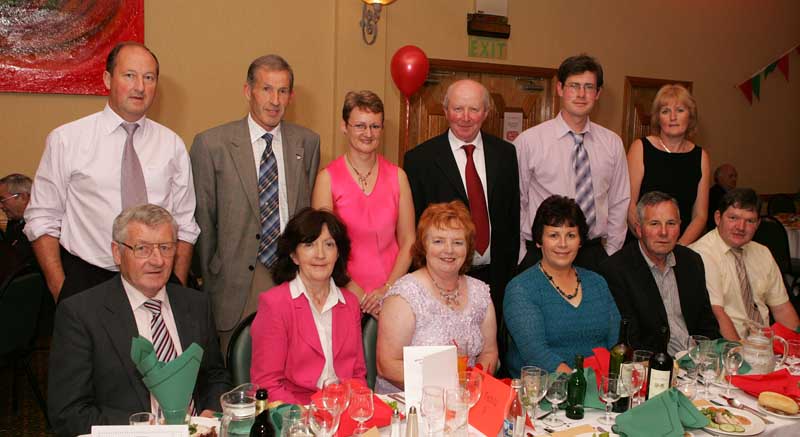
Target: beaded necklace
450	296
560	291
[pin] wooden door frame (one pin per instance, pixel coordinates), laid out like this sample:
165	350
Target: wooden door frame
649	82
550	106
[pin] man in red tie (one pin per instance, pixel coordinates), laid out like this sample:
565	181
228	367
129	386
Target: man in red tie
478	169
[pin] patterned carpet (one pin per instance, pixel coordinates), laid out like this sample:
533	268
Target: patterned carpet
29	421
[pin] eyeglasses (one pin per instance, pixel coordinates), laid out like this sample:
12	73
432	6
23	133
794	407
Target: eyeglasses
589	88
145	250
6	199
362	127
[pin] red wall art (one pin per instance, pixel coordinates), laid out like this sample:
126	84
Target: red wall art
60	46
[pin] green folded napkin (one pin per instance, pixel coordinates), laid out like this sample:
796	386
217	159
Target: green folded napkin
666	415
685	362
171	383
276	415
592	398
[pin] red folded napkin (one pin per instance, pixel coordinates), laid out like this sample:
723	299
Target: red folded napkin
784	332
599	362
382	416
780	381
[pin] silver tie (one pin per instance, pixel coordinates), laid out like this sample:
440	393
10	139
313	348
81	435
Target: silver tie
132	186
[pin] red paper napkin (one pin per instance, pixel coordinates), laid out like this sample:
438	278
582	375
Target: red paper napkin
784	332
780	381
381	417
599	362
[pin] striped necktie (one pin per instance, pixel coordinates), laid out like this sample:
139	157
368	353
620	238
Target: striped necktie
268	204
584	194
744	286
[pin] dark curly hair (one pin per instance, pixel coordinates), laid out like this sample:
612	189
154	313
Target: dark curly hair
306	227
559	211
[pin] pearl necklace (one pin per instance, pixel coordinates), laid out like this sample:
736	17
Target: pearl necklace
560	291
362	180
450	297
664	145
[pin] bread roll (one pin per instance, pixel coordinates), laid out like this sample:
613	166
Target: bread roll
778	402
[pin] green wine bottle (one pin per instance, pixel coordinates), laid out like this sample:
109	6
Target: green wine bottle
621	352
576	390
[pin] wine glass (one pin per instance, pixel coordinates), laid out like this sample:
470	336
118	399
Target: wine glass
336	394
732	359
534	386
432	408
556	394
642	357
361	407
473	384
324	419
632	376
709	371
609	393
793	356
456	412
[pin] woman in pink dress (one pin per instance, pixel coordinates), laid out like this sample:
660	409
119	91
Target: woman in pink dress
373	199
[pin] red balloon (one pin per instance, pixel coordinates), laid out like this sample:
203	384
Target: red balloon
409	69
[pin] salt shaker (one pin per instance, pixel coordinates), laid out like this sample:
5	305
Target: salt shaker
395	427
412	423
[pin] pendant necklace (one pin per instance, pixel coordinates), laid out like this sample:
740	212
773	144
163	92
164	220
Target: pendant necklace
362	180
450	296
664	145
560	291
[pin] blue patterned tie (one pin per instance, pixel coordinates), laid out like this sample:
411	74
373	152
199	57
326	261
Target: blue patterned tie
268	204
584	195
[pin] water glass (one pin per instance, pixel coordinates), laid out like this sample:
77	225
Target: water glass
361	407
473	384
709	371
456	412
324	418
336	394
534	387
609	393
556	394
632	376
732	359
432	408
138	419
294	423
642	357
688	387
793	357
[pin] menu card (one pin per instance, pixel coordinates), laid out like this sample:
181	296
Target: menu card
488	414
428	365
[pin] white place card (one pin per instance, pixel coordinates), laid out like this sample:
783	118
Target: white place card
428	365
140	431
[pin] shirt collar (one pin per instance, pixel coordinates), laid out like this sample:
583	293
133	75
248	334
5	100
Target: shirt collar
137	299
256	131
456	143
723	246
297	288
652	265
563	129
110	120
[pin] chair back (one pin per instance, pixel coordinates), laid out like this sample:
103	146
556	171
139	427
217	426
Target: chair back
240	352
20	304
369	337
772	234
780	203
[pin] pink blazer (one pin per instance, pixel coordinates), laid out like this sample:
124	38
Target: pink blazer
287	354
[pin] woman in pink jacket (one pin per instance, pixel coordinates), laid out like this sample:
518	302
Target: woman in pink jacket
307	329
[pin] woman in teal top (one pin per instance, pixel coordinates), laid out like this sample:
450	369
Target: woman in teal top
554	310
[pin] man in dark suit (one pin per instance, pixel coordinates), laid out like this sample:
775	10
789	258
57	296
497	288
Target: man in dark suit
466	164
92	378
725	177
657	283
230	163
15	249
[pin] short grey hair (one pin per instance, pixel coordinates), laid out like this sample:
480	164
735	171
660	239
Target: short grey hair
146	214
17	183
270	63
487	98
653	198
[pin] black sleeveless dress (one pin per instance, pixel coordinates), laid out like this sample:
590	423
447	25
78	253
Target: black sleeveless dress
676	174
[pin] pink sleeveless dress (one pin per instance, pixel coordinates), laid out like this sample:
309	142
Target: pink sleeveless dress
371	221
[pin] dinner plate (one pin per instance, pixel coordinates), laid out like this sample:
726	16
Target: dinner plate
756	425
778	414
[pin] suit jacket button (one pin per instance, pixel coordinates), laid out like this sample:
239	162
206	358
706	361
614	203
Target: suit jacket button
251	268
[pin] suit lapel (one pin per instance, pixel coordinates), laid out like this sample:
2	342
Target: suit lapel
306	325
685	289
492	164
645	281
444	159
241	150
185	320
340	327
292	165
121	327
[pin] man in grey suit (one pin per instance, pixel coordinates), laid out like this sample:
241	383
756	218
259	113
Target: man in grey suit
92	378
242	204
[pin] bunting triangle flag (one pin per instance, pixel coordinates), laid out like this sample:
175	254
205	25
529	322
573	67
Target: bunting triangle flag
747	90
770	68
756	81
783	66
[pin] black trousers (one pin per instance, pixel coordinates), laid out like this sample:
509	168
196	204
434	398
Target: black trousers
590	255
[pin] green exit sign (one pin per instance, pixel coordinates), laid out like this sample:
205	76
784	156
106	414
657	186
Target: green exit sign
490	48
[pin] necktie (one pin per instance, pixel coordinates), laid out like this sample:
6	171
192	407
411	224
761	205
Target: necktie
744	286
268	204
477	202
162	342
584	195
133	188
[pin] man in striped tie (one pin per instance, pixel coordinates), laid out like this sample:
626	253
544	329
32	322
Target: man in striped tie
92	379
571	156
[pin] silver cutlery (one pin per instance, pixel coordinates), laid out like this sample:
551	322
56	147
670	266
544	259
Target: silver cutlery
544	415
735	403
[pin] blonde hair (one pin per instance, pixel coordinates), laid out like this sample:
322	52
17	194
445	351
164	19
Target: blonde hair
663	97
